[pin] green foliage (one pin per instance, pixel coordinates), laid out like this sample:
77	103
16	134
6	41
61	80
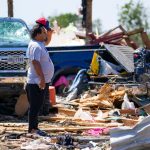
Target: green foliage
133	15
64	19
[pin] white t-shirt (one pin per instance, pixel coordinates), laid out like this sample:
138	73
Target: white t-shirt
37	51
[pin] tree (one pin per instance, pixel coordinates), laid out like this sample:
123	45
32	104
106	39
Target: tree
133	15
63	20
84	12
10	8
89	16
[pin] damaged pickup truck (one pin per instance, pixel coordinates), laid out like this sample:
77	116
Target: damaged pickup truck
14	39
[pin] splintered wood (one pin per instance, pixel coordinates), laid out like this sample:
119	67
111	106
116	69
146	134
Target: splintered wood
86	115
83	114
104	100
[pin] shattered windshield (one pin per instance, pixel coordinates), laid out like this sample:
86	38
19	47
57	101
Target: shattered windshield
13	33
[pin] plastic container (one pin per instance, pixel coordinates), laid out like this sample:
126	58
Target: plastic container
52	95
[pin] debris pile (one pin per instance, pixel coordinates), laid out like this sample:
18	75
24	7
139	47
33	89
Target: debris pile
119	36
94	111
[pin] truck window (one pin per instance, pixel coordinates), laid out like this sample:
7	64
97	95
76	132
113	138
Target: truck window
13	33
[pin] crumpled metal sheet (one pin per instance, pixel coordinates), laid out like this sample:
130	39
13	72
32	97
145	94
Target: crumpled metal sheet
123	55
136	138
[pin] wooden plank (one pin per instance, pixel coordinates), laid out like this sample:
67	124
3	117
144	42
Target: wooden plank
71	119
55	128
69	112
81	128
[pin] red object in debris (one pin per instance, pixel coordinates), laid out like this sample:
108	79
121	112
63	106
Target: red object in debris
107	38
52	95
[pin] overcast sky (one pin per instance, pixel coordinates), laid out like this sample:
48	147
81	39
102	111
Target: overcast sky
30	10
